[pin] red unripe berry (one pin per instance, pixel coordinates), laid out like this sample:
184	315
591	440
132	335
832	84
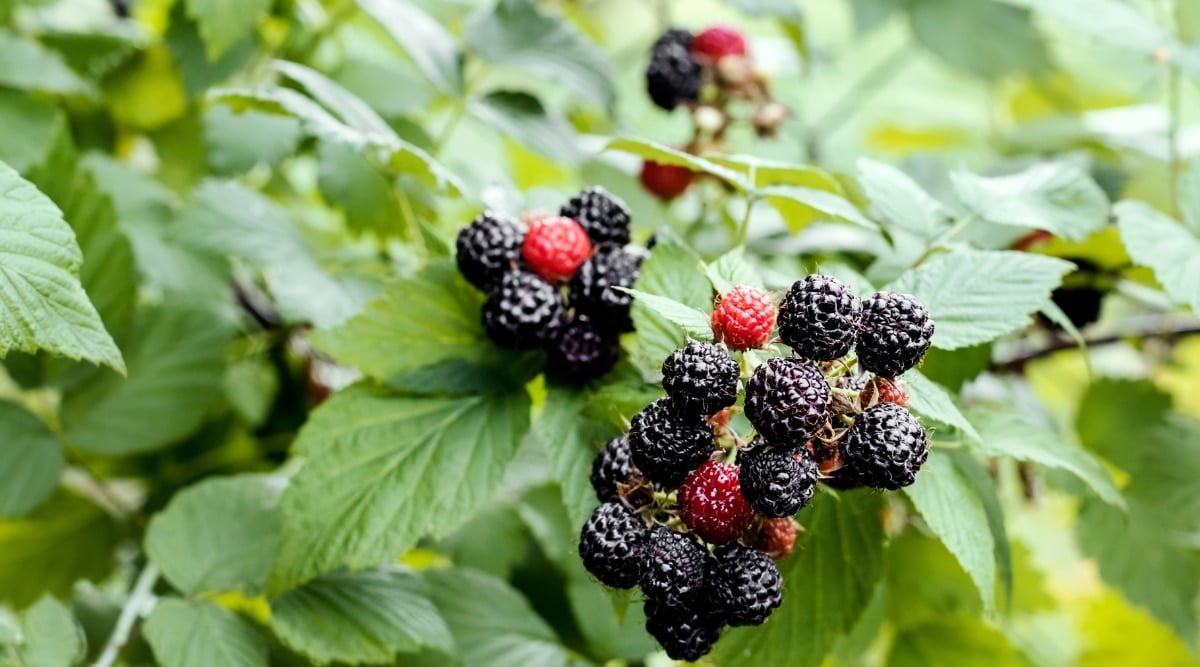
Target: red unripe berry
719	41
743	318
711	503
665	181
555	247
882	390
776	537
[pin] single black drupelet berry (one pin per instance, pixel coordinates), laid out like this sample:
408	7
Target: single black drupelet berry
701	379
884	448
666	446
674	566
787	400
612	545
524	312
602	214
488	248
894	333
686	632
612	466
591	289
673	75
777	481
581	352
818	318
744	584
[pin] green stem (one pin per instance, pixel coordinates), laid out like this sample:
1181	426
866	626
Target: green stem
136	606
946	236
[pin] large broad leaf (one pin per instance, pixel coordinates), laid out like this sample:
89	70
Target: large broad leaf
382	471
50	636
187	633
493	625
30	460
1169	248
360	617
661	154
929	399
1116	22
516	34
223	23
429	45
32	128
366	196
218	535
956	515
950	29
823	598
672	269
176	360
896	198
42	303
27	64
571	441
975	296
1054	196
522	117
953	642
237	142
694	322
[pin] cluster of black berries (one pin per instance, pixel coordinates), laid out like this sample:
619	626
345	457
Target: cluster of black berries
550	283
694	514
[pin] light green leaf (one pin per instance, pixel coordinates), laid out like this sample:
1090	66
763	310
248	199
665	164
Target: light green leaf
365	195
694	321
953	642
817	201
675	270
1170	249
433	49
52	638
980	480
26	64
956	515
1111	21
828	597
661	154
975	296
732	269
198	633
237	142
382	471
42	302
1054	196
31	128
30	460
223	23
898	199
521	117
571	441
218	535
760	173
348	108
359	617
1188	186
929	399
950	30
176	360
801	193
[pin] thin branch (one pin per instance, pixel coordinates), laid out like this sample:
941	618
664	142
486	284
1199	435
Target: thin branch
136	606
1021	358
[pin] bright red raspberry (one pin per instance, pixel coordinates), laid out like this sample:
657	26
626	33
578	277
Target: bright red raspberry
776	537
555	247
883	390
717	42
743	318
711	503
665	181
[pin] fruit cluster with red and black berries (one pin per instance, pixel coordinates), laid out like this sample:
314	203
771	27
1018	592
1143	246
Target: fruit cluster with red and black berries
694	513
549	283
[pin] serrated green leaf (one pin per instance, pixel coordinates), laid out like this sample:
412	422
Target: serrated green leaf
1170	249
671	269
571	441
1054	196
980	480
830	597
694	321
522	117
359	617
1116	412
237	142
176	360
349	181
819	201
930	399
661	154
218	535
950	30
732	269
223	23
198	633
953	642
30	460
31	127
348	108
51	637
382	471
26	64
898	199
433	49
975	296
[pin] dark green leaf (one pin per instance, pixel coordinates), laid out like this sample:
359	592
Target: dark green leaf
694	322
571	441
30	460
675	270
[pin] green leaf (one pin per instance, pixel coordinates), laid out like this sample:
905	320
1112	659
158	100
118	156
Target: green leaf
829	597
359	617
176	360
52	638
1054	196
1188	186
975	296
956	515
1112	21
1114	413
896	198
950	29
694	321
34	560
492	623
218	535
870	14
980	480
571	441
223	23
31	128
42	302
516	34
814	202
929	399
382	471
953	642
198	633
433	49
1170	249
760	173
348	108
661	154
522	117
30	460
237	142
349	181
671	269
26	64
732	269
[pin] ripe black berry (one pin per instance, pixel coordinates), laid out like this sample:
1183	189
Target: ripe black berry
777	481
818	318
605	217
667	446
488	248
612	545
884	448
581	352
894	333
674	567
686	632
787	400
612	466
701	379
591	290
745	584
673	75
523	313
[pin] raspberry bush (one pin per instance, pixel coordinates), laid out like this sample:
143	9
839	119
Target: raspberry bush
531	333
